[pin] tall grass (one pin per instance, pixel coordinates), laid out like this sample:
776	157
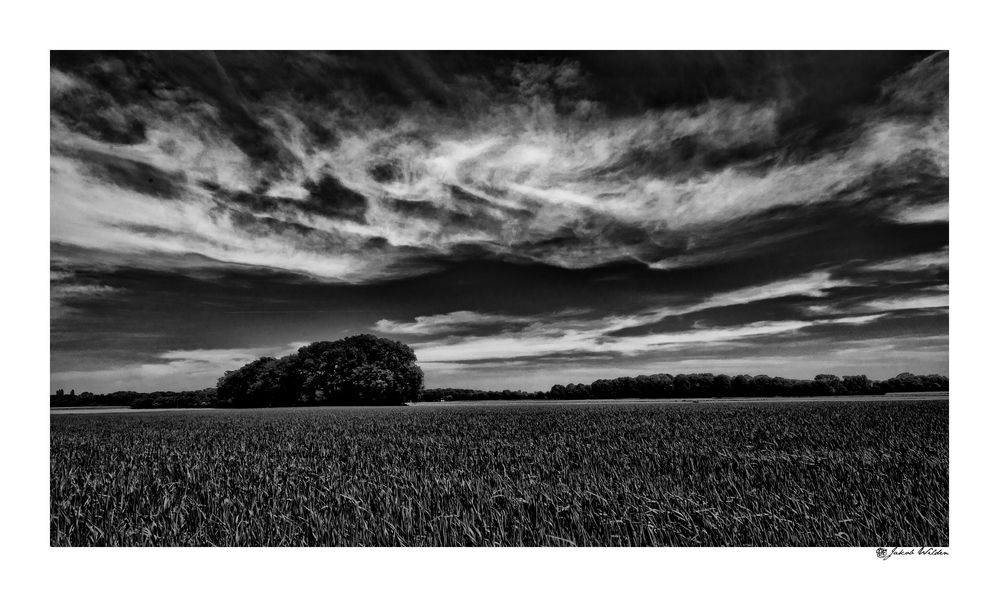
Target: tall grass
622	474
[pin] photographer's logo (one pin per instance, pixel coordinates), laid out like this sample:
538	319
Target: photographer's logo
884	553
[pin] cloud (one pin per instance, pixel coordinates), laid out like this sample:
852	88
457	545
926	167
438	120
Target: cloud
926	301
812	285
561	333
182	369
815	284
919	262
532	167
65	289
526	345
629	334
448	323
937	212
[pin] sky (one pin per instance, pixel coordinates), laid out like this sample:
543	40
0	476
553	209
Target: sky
519	218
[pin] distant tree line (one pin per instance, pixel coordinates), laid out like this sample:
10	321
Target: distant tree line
61	398
705	385
205	398
185	399
461	395
367	370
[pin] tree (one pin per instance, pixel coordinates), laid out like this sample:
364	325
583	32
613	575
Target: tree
602	388
742	385
356	370
761	385
858	384
828	385
360	369
263	382
722	385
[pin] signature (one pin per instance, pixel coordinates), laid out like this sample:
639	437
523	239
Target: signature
884	553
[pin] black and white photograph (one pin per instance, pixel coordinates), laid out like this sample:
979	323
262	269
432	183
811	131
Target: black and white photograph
528	298
517	298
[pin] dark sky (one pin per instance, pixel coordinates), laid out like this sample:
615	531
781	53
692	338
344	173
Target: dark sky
519	218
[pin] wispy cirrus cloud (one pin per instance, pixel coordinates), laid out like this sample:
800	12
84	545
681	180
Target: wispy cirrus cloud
65	289
559	333
515	337
510	176
534	344
447	323
813	285
939	300
918	262
917	214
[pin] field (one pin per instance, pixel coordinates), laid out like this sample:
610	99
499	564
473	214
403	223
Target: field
644	474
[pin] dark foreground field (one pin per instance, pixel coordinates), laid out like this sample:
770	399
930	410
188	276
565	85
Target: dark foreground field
785	474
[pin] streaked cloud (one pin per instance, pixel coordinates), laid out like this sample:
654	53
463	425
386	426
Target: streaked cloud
447	323
171	370
922	261
523	152
504	346
65	289
936	212
929	301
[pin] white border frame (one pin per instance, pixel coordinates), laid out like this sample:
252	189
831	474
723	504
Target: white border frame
33	29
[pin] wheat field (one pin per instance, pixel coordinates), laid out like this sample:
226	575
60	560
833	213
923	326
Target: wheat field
636	474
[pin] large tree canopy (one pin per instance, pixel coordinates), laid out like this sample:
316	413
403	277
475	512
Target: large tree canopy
356	370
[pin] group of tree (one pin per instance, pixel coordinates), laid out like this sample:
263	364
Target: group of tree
62	398
205	398
183	399
359	370
465	395
705	385
907	382
708	385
